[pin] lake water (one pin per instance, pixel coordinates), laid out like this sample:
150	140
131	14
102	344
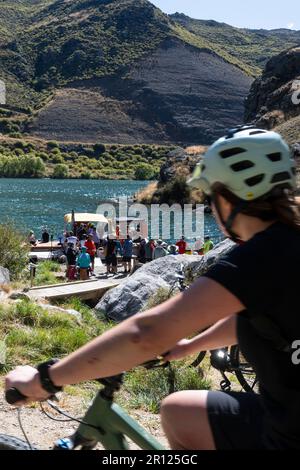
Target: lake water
36	203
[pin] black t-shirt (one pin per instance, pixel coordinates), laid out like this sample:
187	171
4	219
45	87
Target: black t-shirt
111	248
264	275
71	256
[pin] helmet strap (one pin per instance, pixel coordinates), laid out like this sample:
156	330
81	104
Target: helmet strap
229	222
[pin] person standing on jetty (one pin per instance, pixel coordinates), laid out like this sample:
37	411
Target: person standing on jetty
71	238
248	297
91	250
45	236
84	262
71	256
31	238
127	254
111	256
160	250
149	250
182	245
208	245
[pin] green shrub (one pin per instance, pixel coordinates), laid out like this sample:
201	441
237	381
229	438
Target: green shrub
22	166
60	171
86	175
18	152
13	253
99	149
44	156
56	158
175	191
144	171
52	144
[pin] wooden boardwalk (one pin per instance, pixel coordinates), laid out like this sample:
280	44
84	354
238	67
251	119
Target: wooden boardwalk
85	290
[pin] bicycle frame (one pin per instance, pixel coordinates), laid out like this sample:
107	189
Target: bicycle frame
114	425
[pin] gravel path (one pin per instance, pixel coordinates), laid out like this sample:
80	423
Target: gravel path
43	432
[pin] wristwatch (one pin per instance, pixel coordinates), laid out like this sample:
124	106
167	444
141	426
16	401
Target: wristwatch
45	379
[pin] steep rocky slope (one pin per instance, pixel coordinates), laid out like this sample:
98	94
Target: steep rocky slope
274	97
176	94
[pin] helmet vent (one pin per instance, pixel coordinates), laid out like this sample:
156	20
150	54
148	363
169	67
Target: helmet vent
241	166
254	180
257	132
231	152
281	177
274	157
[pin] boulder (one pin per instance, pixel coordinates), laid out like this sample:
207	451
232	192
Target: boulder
69	311
19	296
4	276
132	295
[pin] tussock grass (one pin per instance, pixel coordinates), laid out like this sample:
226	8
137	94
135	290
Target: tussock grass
46	273
33	334
147	388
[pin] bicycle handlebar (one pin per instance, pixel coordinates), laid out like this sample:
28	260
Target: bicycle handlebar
13	395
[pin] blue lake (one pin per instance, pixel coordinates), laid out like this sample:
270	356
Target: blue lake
36	203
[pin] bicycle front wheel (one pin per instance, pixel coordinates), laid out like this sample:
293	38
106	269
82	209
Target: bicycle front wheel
242	369
13	443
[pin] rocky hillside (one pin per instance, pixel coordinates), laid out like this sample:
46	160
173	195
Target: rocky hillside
177	93
121	71
253	47
273	97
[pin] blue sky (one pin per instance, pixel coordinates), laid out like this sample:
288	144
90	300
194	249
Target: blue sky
268	14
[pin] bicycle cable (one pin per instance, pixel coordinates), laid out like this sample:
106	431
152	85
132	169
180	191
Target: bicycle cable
71	418
22	428
58	410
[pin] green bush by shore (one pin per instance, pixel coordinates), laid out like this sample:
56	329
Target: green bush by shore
20	158
13	253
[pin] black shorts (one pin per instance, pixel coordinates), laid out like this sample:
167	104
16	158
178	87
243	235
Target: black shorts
111	260
127	259
236	420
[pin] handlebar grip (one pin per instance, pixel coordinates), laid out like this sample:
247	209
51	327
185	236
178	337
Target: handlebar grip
12	396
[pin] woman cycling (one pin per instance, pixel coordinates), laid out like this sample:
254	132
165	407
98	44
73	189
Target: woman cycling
250	297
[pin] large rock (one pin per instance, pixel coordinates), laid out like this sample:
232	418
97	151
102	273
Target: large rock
133	295
270	100
4	276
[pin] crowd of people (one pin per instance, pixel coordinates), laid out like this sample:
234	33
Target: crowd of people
82	245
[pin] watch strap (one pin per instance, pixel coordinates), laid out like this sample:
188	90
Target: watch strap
45	378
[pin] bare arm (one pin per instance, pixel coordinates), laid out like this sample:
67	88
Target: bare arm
220	335
141	337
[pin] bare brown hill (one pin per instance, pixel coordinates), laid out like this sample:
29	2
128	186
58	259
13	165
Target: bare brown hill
178	93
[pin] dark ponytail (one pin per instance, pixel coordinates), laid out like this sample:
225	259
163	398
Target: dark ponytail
280	205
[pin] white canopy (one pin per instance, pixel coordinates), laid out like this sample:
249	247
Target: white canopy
85	217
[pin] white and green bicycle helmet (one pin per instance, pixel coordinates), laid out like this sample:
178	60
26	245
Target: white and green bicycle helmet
250	162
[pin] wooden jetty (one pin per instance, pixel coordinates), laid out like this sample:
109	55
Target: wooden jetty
85	290
54	246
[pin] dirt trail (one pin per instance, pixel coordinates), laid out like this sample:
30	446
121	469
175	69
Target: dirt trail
43	432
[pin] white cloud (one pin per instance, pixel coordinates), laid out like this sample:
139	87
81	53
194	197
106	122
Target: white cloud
291	25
